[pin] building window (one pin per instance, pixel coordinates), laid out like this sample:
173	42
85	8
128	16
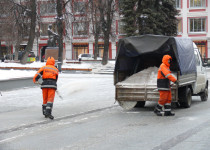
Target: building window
179	28
177	3
44	28
79	49
48	9
79	7
120	27
202	47
198	25
100	50
80	28
197	3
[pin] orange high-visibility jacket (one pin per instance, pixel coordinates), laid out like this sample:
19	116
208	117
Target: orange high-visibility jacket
164	74
49	74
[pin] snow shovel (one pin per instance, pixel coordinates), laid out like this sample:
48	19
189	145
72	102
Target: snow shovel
37	82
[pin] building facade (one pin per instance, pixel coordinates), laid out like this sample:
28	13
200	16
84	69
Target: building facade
194	22
193	19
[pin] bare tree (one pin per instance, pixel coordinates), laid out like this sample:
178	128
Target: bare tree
95	22
32	15
100	16
21	25
20	17
107	9
6	25
60	9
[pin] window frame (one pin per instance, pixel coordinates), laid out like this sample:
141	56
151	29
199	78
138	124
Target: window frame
202	5
85	27
181	21
179	7
46	13
204	30
79	11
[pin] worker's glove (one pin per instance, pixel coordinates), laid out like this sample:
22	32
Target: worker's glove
37	82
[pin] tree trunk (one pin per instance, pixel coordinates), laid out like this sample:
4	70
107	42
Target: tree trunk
60	29
17	47
1	53
32	32
106	16
97	32
96	48
106	50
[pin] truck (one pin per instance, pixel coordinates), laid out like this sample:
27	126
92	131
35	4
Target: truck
137	62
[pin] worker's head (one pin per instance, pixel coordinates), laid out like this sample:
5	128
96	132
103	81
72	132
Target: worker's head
167	60
50	61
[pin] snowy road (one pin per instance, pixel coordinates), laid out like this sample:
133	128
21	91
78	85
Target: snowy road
88	119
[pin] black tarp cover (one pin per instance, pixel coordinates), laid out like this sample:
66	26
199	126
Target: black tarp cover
131	48
186	57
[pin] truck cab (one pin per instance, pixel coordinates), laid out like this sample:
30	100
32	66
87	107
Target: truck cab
201	84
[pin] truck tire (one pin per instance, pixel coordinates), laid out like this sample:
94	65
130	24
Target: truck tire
185	97
204	94
140	104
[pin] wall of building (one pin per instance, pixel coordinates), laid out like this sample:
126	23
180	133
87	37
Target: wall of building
74	45
202	39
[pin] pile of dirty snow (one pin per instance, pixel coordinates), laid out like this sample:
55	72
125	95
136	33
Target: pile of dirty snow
144	77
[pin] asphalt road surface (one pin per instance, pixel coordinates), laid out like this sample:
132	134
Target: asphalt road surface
96	123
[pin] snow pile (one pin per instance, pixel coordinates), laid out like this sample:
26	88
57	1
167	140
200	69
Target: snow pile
97	67
144	77
32	65
40	64
12	74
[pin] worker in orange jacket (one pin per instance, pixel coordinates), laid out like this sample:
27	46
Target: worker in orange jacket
163	84
49	74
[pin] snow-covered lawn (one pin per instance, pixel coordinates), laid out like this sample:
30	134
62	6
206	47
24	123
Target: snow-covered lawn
11	73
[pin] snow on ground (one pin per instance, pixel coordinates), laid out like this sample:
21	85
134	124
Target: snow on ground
40	64
74	89
11	73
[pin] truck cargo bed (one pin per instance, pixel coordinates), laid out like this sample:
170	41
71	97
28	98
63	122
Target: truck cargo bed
141	86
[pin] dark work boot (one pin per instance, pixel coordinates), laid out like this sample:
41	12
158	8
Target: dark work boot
169	113
158	110
49	111
44	109
167	110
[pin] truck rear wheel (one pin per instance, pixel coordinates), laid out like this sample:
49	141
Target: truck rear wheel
127	104
204	95
185	97
140	104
